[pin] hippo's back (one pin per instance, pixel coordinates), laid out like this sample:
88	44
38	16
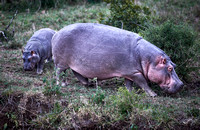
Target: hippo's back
92	37
40	42
43	35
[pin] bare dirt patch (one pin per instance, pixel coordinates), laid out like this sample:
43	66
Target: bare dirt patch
19	109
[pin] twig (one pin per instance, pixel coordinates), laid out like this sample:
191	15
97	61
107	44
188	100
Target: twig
39	6
13	31
57	2
11	20
122	24
1	32
3	108
139	25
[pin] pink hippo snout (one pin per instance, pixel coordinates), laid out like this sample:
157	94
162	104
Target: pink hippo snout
174	86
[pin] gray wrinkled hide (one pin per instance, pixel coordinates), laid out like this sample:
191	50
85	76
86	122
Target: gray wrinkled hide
100	52
96	50
40	43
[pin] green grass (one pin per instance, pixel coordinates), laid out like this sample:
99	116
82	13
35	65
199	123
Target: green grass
28	100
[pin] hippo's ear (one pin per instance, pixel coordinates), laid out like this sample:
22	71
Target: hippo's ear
32	52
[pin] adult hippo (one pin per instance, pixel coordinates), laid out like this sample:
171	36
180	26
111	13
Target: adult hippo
95	50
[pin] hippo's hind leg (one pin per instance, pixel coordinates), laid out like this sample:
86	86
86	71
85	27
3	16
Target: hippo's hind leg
129	84
49	59
82	79
60	76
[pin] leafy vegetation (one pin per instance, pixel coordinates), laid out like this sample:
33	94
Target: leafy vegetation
98	97
36	5
31	101
127	15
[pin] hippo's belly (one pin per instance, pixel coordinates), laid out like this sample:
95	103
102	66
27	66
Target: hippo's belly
102	65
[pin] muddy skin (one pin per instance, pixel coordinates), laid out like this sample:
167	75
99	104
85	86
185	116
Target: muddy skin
103	52
37	50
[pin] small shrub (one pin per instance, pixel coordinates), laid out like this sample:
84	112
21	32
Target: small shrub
32	5
13	45
193	112
50	120
7	38
99	96
126	101
13	118
178	41
51	88
127	15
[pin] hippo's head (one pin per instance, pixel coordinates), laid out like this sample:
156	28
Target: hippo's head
162	72
30	59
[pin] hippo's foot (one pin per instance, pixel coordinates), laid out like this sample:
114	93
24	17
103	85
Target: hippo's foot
63	83
49	60
151	93
39	71
89	84
82	79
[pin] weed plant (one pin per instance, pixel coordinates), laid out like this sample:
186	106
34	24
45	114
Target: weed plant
50	88
98	97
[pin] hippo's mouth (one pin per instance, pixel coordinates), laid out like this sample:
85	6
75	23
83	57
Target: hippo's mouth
28	69
171	90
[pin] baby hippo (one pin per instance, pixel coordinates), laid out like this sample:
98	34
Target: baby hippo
37	50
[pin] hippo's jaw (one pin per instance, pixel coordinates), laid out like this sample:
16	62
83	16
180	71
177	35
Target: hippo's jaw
172	88
174	85
29	66
28	69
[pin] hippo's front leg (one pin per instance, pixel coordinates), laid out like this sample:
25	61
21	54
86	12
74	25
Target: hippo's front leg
58	75
40	67
139	79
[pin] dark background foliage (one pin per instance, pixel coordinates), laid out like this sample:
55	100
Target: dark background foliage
179	42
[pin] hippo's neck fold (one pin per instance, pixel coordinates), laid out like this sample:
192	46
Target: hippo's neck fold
147	55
